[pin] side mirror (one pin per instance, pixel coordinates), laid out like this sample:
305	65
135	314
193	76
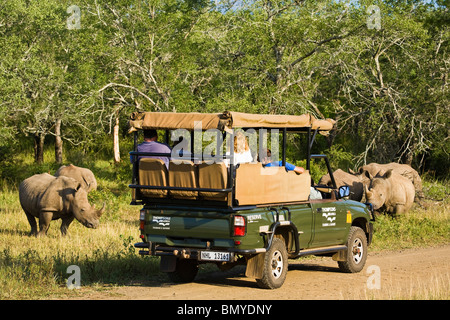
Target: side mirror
344	191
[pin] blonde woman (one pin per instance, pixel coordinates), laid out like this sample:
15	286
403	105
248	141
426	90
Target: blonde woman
242	153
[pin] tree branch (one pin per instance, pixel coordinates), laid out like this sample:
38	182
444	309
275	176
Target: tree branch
112	84
321	43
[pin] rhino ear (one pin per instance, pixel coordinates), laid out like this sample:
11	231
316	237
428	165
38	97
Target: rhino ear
351	171
367	174
388	174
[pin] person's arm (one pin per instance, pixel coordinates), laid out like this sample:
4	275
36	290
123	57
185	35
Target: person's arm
291	167
299	170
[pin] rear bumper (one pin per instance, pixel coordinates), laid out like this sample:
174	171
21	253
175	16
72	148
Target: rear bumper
186	252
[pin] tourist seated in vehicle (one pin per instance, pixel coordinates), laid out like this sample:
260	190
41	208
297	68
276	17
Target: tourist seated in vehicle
242	152
267	162
151	144
315	194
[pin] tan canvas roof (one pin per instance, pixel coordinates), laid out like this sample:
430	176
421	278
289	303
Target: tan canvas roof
224	121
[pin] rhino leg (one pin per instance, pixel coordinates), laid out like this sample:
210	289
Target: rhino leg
32	222
44	222
66	221
399	209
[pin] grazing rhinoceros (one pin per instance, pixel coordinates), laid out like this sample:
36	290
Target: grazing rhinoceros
82	175
356	182
391	190
48	198
401	169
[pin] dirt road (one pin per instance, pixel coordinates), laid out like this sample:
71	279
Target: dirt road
405	274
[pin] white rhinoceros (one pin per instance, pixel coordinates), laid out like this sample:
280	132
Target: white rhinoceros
402	169
356	182
392	191
48	198
82	175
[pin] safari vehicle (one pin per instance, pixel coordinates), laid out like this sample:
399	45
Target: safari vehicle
204	208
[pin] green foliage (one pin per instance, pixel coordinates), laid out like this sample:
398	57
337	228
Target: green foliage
387	88
339	158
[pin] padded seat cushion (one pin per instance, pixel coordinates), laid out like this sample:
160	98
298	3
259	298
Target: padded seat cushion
153	172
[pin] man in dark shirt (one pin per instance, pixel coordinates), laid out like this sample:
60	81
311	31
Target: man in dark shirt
151	144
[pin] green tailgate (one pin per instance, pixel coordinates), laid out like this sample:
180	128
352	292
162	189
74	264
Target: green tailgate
201	229
188	228
214	229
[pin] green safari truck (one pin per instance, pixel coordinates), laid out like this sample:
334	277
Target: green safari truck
202	204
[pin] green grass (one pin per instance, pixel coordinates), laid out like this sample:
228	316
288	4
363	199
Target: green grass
418	228
36	268
424	225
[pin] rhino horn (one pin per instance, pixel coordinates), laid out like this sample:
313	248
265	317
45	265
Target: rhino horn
100	212
368	193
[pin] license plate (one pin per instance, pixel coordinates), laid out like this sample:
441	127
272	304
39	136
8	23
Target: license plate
215	256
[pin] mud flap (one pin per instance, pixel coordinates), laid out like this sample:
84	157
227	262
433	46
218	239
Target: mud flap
168	264
255	266
341	255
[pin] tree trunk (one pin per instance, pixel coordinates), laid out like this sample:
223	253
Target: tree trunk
39	147
58	142
409	157
116	141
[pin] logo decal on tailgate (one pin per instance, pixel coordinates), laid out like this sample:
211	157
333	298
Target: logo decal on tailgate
159	222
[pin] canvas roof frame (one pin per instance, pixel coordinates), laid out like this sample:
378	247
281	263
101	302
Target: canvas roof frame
225	122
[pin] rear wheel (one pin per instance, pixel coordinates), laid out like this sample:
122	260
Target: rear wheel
275	266
356	251
185	271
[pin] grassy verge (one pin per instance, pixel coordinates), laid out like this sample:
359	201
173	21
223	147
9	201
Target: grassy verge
37	268
32	268
427	224
435	288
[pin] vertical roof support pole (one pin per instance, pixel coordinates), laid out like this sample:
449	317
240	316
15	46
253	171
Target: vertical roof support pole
166	136
308	150
313	138
284	147
134	158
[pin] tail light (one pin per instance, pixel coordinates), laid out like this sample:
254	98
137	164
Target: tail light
142	221
239	226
